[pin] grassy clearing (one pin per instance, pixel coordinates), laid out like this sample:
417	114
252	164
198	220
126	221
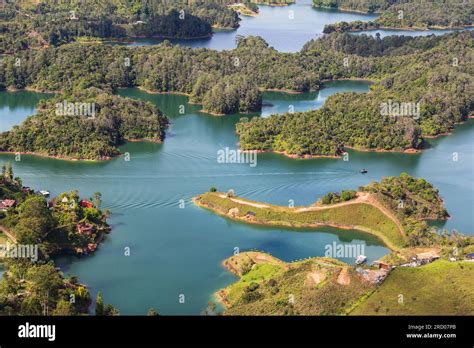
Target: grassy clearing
3	238
439	288
359	216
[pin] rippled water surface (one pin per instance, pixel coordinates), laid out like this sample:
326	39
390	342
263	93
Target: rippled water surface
178	251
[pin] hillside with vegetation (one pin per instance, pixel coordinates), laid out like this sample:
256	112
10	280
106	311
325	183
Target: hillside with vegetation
433	74
373	46
404	14
413	201
65	224
39	289
448	284
165	68
37	24
31	284
269	286
325	286
97	136
359	215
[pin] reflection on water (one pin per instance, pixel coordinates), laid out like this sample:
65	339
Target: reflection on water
286	28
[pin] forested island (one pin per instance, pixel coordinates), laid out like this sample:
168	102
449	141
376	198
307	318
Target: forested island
326	286
85	124
418	72
404	14
32	231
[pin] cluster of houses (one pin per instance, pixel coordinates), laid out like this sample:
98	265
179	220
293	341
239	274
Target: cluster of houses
422	259
377	276
72	203
87	230
383	269
6	204
83	228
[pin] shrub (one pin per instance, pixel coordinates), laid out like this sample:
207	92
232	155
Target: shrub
327	199
347	195
252	287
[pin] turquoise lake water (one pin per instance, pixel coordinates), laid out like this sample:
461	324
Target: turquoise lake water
179	250
176	250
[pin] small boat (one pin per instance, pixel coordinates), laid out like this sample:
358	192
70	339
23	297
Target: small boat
360	259
45	193
364	171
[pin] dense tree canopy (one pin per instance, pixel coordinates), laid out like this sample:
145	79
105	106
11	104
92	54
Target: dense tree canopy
25	24
373	46
431	79
432	73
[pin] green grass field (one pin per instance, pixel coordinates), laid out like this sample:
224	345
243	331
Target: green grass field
439	288
360	216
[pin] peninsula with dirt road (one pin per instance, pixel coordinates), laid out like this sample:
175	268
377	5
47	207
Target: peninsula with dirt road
394	210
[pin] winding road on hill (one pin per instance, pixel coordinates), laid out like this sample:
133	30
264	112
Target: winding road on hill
362	198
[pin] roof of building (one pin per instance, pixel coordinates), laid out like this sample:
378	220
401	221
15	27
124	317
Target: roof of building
8	202
85	228
427	255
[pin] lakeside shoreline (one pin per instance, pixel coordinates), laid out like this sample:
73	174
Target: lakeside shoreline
409	151
83	160
466	27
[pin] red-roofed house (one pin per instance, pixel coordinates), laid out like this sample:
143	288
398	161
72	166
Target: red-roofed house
6	204
85	228
86	204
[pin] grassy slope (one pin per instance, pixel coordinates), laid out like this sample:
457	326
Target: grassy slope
440	288
362	217
293	279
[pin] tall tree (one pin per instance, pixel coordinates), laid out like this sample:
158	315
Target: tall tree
99	305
